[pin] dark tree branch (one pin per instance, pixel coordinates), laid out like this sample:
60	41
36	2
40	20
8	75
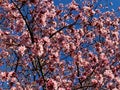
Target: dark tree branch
78	74
17	61
70	25
88	77
42	73
82	87
28	27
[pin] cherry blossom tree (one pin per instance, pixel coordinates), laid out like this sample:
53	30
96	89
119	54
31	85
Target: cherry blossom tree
67	47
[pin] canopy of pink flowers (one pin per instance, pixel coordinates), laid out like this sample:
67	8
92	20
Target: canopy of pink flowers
66	47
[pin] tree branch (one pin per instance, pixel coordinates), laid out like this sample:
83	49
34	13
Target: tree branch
41	70
29	29
78	74
17	61
70	25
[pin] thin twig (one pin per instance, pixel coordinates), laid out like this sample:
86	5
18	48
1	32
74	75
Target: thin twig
70	25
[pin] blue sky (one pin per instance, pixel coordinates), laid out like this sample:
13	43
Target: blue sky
56	2
116	3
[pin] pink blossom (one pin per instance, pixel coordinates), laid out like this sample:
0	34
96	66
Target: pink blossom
109	73
46	39
86	8
118	79
13	88
13	79
102	56
73	5
1	32
72	46
94	81
81	32
11	74
15	14
111	3
101	79
21	49
20	23
8	6
56	54
43	20
61	89
3	74
118	8
115	89
101	5
51	84
99	49
41	50
109	85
